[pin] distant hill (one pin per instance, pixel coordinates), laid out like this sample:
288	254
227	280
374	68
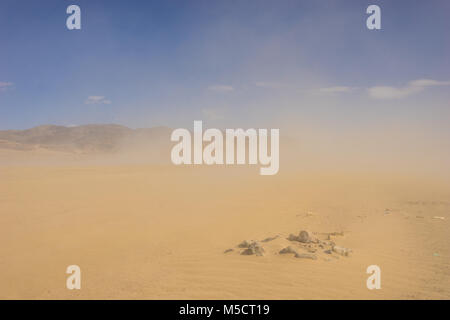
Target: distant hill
97	138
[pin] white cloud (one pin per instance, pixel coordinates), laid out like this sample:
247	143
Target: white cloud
97	100
221	88
270	85
413	87
5	85
337	89
385	92
429	83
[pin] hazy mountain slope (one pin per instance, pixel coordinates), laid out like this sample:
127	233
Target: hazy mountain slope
86	138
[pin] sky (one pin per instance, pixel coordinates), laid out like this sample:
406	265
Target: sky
250	63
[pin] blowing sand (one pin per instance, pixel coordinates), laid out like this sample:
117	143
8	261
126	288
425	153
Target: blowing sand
160	232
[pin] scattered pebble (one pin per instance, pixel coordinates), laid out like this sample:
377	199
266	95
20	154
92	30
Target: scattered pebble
342	251
303	246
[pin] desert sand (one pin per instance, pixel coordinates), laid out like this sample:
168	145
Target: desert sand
158	231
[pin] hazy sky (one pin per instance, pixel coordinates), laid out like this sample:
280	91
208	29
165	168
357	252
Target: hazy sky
229	63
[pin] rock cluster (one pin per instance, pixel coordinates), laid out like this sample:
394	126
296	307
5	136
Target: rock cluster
251	248
305	245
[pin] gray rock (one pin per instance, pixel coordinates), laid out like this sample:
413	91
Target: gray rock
304	236
306	256
254	248
244	244
288	250
292	237
247	252
342	251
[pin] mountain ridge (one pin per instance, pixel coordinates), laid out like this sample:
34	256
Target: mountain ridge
82	139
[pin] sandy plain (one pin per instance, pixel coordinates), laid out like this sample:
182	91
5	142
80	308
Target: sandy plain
159	231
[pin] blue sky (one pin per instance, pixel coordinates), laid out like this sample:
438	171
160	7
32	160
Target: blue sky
230	63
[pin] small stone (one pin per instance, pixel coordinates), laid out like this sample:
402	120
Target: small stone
244	244
306	256
342	251
228	250
304	236
288	250
259	251
254	248
327	251
247	252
